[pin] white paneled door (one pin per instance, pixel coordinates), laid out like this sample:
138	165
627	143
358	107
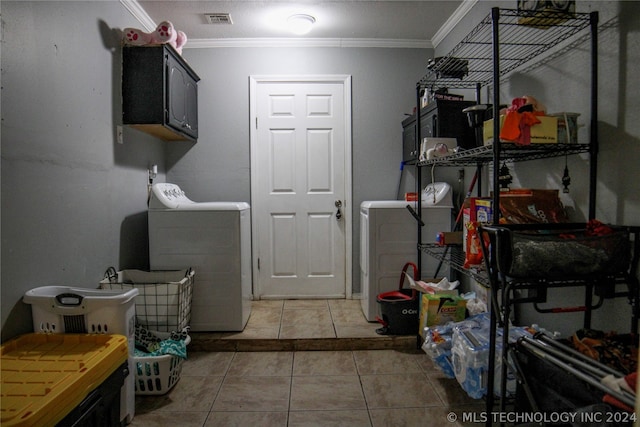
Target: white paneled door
300	145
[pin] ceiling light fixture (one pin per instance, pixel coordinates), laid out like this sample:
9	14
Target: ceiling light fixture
300	23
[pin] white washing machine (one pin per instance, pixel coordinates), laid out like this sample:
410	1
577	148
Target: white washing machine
212	237
388	240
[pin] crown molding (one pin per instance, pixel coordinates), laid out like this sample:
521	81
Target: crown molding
140	14
453	20
306	42
149	25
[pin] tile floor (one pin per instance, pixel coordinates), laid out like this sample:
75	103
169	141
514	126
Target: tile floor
295	319
310	319
307	388
302	325
387	387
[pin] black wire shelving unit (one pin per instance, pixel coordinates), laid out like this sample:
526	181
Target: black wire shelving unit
505	41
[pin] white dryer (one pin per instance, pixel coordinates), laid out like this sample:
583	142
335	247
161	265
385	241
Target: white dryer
388	240
212	237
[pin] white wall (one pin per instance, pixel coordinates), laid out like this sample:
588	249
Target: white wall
73	200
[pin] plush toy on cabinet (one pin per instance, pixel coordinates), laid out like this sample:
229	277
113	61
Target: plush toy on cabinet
164	33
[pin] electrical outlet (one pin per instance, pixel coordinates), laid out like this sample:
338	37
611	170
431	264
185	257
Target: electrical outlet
119	136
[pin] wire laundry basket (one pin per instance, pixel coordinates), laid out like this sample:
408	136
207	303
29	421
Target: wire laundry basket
164	298
163	305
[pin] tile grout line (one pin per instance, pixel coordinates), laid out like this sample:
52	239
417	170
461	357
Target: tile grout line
226	372
364	395
280	330
333	321
293	362
224	377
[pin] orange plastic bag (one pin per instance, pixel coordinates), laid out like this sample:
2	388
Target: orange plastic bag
473	255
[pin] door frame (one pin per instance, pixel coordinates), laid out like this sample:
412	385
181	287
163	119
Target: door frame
345	80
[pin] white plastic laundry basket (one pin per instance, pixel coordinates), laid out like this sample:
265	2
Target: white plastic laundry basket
156	375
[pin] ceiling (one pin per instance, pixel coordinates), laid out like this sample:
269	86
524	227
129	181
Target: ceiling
408	21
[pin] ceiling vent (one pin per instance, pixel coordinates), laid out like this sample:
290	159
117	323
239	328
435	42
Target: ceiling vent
218	18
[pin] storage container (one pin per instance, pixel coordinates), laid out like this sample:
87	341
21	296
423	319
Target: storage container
65	309
399	312
567	127
560	253
164	297
399	309
63	379
545	132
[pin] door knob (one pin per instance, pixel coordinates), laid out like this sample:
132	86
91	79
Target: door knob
338	204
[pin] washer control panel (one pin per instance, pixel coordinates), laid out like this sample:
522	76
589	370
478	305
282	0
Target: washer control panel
167	196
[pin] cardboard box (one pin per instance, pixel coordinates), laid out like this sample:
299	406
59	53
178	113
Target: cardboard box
441	308
567	127
449	238
545	14
545	132
530	206
483	210
423	305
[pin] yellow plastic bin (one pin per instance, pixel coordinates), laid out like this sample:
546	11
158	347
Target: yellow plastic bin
72	379
67	309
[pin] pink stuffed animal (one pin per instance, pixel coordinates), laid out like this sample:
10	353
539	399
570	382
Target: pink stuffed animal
136	37
164	33
181	40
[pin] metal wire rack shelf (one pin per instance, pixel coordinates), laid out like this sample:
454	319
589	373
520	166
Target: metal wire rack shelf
453	256
524	35
509	152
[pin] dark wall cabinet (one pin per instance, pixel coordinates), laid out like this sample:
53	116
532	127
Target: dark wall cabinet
445	119
159	92
409	150
441	119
